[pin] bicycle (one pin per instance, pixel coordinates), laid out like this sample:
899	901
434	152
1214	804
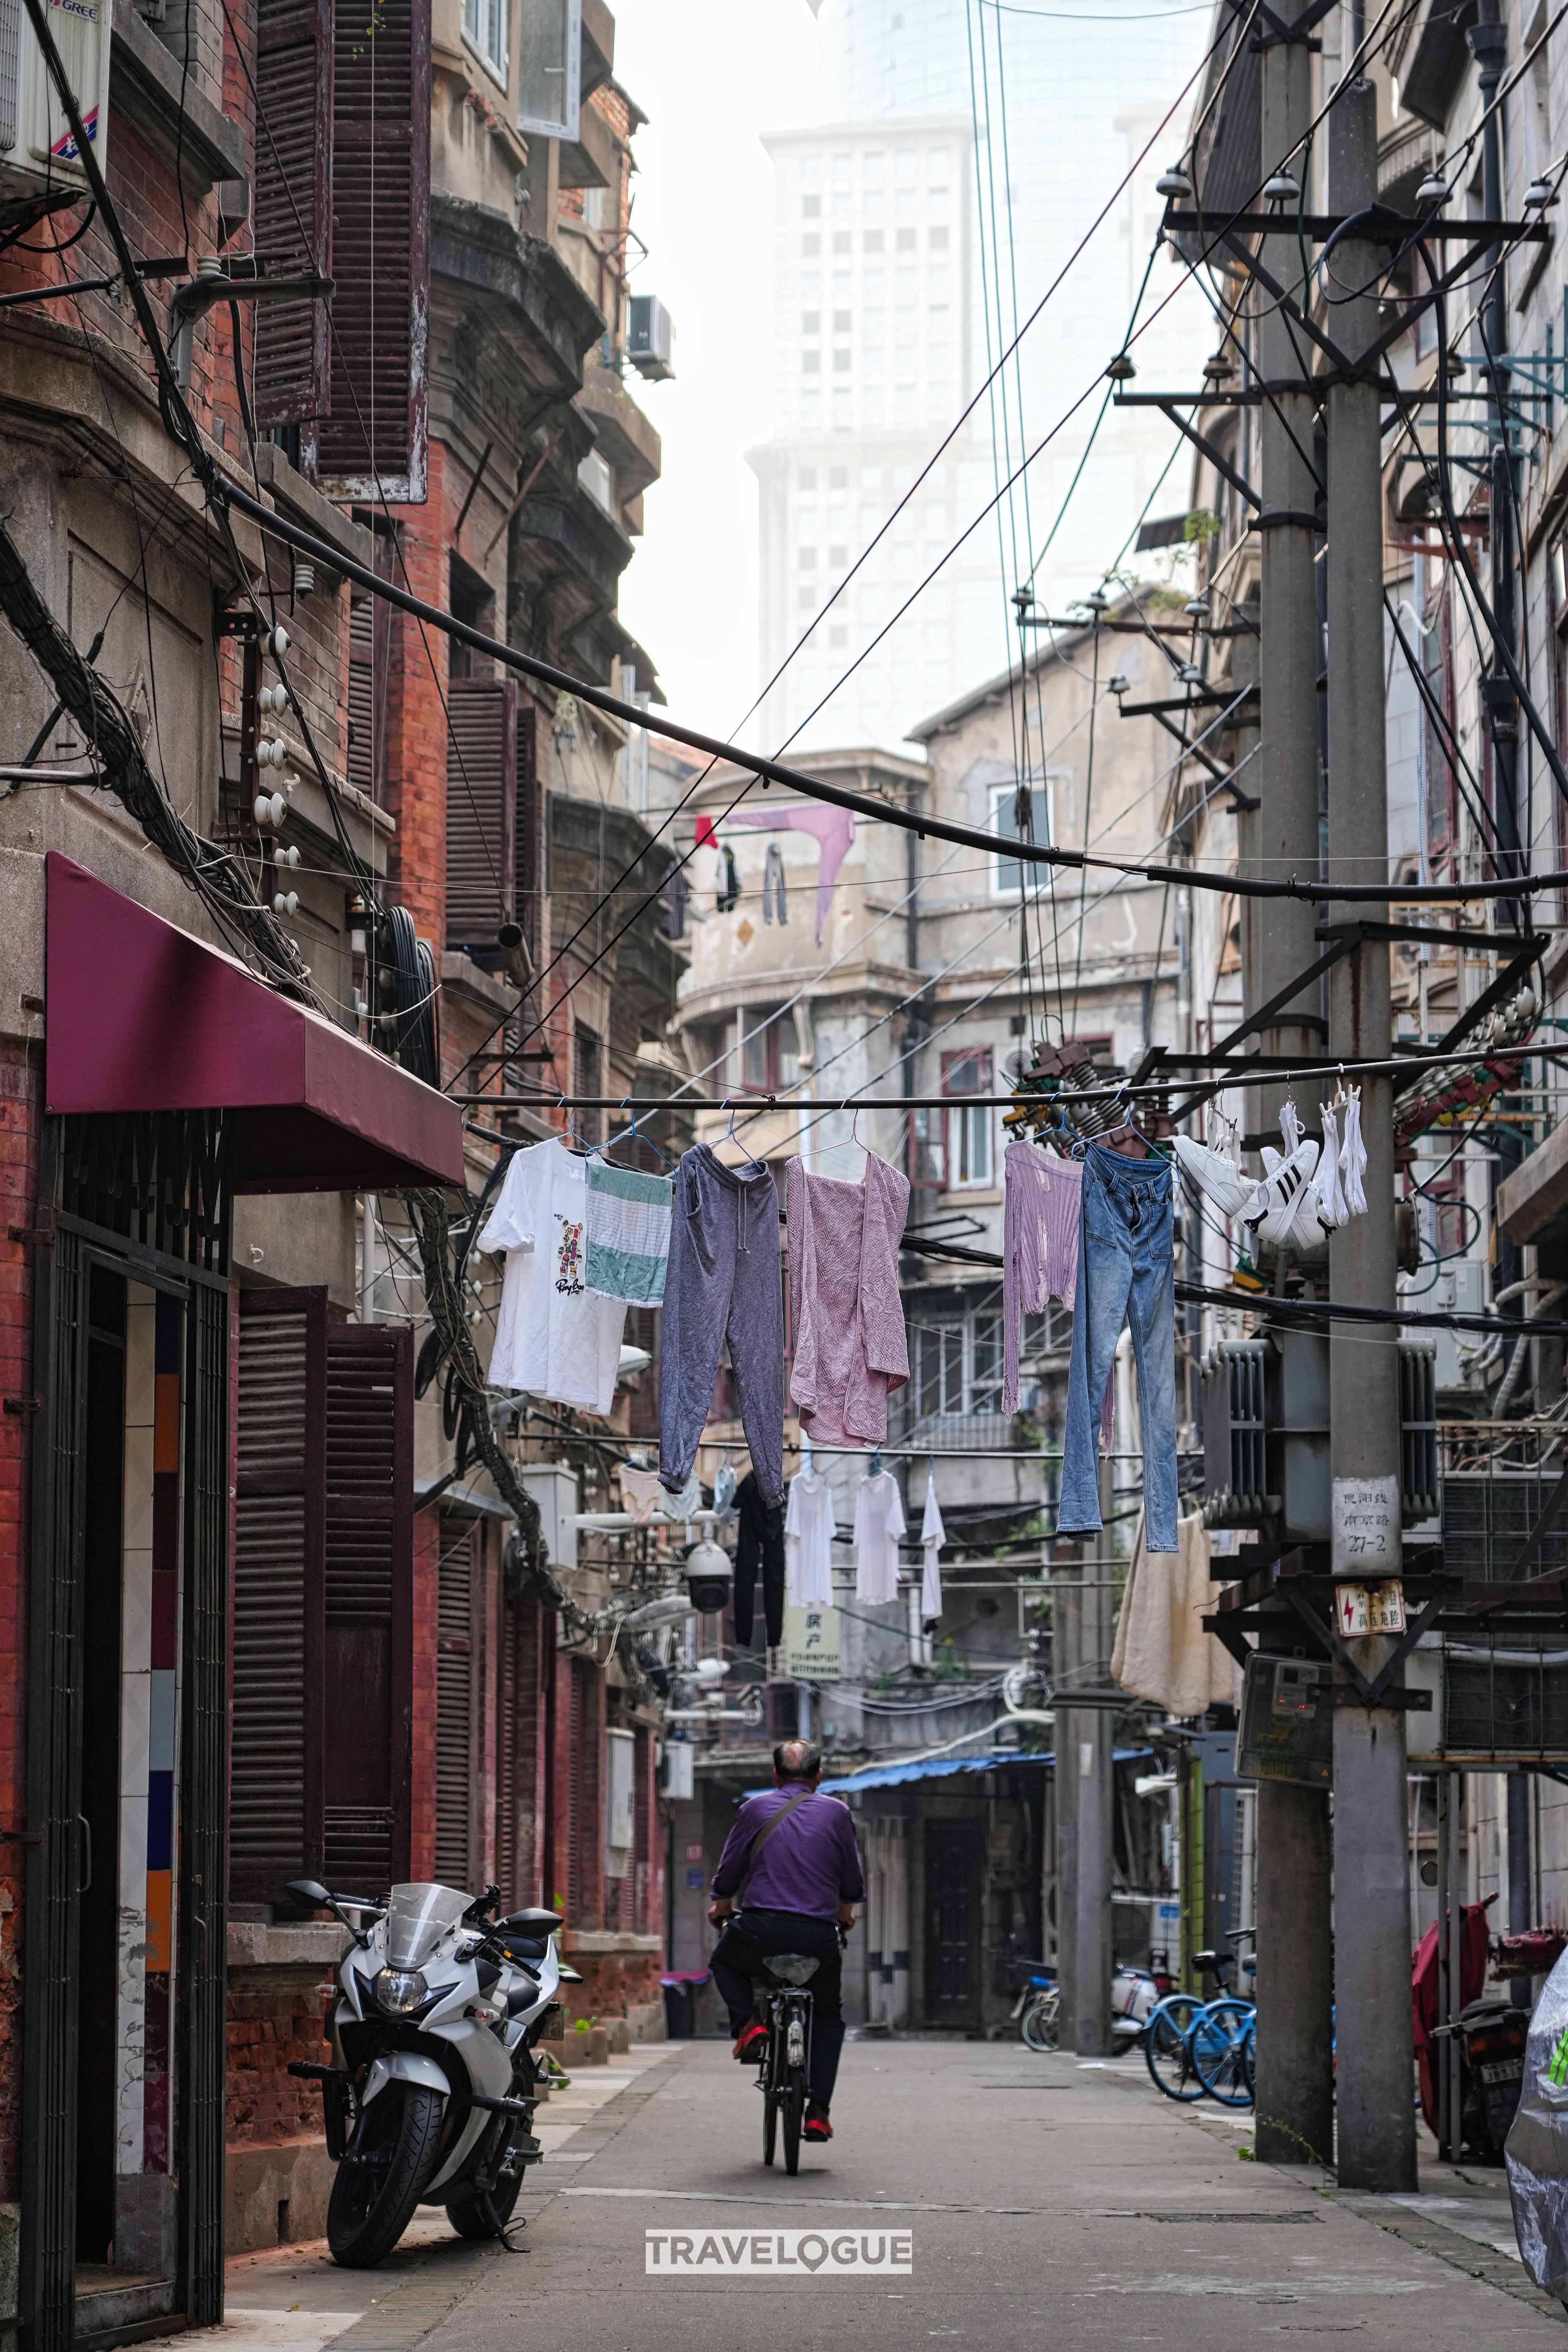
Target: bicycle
1038	2010
1224	2035
1168	2047
785	2068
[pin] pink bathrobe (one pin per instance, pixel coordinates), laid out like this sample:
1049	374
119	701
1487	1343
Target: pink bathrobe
850	1351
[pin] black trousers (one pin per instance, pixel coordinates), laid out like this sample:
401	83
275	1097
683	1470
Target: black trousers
747	1940
759	1545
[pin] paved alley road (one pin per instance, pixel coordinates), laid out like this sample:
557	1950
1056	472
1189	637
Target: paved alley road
1049	2204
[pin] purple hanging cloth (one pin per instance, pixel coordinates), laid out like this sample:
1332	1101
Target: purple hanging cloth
832	828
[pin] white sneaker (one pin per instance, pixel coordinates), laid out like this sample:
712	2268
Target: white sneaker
1282	1197
1217	1176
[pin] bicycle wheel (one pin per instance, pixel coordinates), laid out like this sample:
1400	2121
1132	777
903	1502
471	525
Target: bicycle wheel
769	2125
1167	2048
1217	2039
1249	2056
1040	2026
792	2098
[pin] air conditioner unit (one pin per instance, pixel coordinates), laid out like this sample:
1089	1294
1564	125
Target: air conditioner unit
39	164
620	1807
1498	1702
651	338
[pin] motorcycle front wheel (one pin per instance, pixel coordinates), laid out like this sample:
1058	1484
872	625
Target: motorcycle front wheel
379	2179
1040	2026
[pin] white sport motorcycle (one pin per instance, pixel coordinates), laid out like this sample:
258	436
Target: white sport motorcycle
430	2096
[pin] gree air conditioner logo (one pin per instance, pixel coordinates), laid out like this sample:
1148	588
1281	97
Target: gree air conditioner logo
813	2254
65	149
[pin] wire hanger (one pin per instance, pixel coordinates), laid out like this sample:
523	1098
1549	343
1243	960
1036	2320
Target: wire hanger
631	1136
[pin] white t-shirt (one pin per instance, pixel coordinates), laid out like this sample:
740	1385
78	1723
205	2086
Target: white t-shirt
808	1542
878	1524
554	1337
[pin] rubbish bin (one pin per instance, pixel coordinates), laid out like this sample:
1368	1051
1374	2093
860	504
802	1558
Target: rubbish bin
680	2005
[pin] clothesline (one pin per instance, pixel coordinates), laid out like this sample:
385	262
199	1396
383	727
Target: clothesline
1244	1072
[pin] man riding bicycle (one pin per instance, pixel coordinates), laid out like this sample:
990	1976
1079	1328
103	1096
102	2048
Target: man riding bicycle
792	1860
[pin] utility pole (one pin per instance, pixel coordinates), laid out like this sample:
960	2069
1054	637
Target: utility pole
1372	1913
1488	46
1295	2102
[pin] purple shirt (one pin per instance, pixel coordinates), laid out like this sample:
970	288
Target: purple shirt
810	1865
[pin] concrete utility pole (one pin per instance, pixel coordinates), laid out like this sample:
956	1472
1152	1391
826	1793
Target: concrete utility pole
1372	1915
1295	2104
1084	1798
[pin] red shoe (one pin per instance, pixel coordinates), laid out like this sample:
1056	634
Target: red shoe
753	2041
817	2126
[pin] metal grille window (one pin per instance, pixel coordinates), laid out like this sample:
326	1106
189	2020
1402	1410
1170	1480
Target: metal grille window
958	1365
968	1131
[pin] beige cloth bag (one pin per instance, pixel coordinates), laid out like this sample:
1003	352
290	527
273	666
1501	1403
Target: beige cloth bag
1162	1652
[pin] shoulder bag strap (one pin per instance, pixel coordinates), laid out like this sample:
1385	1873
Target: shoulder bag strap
763	1834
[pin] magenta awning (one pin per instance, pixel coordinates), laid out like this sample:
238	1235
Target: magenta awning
140	1016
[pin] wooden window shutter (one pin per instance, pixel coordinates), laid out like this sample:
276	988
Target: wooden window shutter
368	1589
373	445
529	898
454	1700
577	1827
481	811
275	1761
293	208
510	1747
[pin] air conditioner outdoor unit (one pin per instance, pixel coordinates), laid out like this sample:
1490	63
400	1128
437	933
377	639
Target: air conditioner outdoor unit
1500	1701
38	159
651	338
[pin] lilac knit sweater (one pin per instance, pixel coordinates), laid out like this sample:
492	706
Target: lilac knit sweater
850	1351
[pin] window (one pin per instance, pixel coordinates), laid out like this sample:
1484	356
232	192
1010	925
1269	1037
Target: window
906	240
838	478
810	245
871	204
811	322
957	1364
838	557
842	241
807	478
967	1072
1006	873
770	1058
841	169
937	239
811	167
806	557
842	207
841	362
484	27
843	321
481	814
810	362
811	208
549	65
871	166
872	240
907	163
936	161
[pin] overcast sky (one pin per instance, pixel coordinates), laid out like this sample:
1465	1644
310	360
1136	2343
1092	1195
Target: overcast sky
712	76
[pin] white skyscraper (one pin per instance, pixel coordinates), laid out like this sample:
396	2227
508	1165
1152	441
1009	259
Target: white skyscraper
969	148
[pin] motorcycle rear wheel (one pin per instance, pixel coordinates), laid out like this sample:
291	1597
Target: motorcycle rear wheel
470	2218
373	2200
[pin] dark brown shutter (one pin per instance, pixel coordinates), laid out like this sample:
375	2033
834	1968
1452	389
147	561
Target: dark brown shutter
293	214
368	1580
509	1749
454	1701
530	891
481	811
275	1800
373	445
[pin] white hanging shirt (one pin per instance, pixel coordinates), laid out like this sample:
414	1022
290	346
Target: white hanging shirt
808	1543
554	1337
933	1535
878	1524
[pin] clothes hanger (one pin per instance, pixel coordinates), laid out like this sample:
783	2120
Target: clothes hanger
876	1469
631	1136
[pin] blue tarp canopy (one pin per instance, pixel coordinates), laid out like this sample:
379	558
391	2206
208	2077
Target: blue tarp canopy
935	1767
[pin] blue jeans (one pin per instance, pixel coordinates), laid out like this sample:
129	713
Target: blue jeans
1125	1272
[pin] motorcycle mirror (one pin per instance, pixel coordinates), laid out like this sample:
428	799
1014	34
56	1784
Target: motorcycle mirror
533	1923
311	1891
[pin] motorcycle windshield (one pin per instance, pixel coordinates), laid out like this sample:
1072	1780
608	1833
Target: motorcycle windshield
418	1916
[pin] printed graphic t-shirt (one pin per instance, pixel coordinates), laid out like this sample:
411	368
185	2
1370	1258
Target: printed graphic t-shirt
554	1337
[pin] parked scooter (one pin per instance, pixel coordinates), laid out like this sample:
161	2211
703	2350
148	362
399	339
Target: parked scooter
1492	2035
430	2096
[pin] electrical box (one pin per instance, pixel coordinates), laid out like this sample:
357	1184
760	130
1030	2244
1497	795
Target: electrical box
1456	1289
620	1808
37	151
680	1771
651	338
554	1489
1286	1729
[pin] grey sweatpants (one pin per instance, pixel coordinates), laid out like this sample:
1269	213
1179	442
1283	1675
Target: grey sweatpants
722	1284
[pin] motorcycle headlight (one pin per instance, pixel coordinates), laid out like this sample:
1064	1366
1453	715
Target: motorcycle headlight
398	1991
